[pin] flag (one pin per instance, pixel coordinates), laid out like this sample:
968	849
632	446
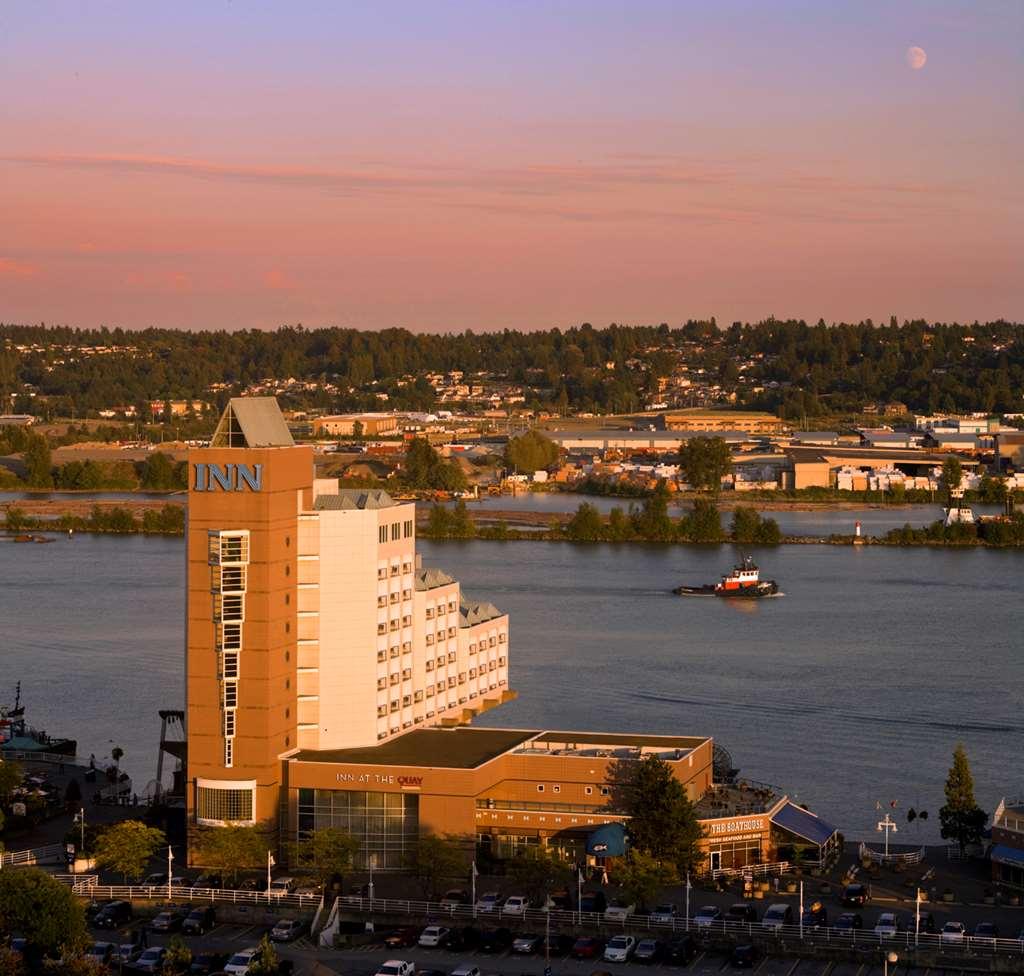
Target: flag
474	871
579	875
270	860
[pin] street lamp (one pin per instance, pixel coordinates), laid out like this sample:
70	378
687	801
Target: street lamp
373	864
889	826
889	957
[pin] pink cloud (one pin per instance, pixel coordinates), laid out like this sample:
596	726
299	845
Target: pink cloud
9	268
277	280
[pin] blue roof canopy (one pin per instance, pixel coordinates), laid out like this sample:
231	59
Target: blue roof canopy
1004	854
803	823
608	840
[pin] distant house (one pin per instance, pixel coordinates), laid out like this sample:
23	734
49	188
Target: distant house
17	420
344	425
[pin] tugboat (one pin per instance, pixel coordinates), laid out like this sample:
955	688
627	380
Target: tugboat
17	736
743	582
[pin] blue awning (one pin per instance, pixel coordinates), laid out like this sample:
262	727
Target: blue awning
796	820
1004	854
608	840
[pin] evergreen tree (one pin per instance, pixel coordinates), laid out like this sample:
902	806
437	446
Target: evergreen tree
38	464
704	461
586	525
530	452
652	522
962	819
952	474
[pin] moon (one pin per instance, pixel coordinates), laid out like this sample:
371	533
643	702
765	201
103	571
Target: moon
916	57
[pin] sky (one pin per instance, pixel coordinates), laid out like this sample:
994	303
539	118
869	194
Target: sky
516	164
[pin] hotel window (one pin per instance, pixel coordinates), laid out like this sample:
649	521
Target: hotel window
440	686
407	529
221	805
407	567
407	674
394	625
229	753
382	572
430	613
231	694
440	635
229	579
395	679
229	664
406	594
396	531
382	601
430	640
451	606
452	631
472	672
440	661
382	711
430	694
407	647
229	724
394	598
462	678
472	648
451	682
492	665
382	683
556	788
451	657
491	642
430	714
407	621
229	547
501	638
418	696
382	628
381	656
540	787
406	701
395	706
394	652
430	665
501	662
382	534
394	569
605	791
588	790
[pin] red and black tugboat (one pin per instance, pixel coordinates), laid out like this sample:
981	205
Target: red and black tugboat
744	582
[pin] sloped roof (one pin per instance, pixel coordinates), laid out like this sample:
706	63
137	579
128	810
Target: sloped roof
431	578
353	499
803	823
472	612
252	422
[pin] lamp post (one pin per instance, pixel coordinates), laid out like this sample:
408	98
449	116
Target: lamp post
888	957
801	911
373	864
170	869
889	826
270	864
688	901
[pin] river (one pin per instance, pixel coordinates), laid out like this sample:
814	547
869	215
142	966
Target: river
850	690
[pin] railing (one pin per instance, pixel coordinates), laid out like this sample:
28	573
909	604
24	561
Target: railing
754	870
86	885
37	855
879	857
22	755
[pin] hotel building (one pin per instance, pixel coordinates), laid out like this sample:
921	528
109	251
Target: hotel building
331	680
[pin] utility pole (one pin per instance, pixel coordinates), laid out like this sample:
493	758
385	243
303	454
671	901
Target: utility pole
889	826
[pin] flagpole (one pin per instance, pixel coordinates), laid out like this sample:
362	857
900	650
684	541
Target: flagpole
472	878
170	872
687	901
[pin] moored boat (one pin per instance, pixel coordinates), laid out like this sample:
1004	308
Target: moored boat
16	735
744	582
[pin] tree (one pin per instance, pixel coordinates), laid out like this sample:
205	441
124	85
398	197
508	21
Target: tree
326	852
127	847
434	858
952	475
663	821
530	452
40	909
232	849
537	873
266	961
652	521
704	523
425	468
461	524
158	472
586	525
619	527
644	876
962	819
38	464
704	461
16	520
178	958
749	525
12	775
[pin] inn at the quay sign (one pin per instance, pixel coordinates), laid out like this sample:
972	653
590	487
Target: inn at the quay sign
227	477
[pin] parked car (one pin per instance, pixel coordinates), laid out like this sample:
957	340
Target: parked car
402	938
168	920
619	910
648	951
986	932
848	922
206	963
283	886
151	960
888	925
240	962
681	950
557	944
744	956
462	940
454	898
619	948
128	952
515	905
396	967
101	953
494	941
156	878
926	923
525	945
208	881
489	901
707	914
465	969
815	916
586	947
741	911
953	932
593	901
113	915
287	930
777	916
856	895
199	921
431	972
561	899
664	914
433	937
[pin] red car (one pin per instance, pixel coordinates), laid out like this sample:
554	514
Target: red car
587	947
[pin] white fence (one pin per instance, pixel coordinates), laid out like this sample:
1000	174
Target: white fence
51	854
87	886
752	870
879	857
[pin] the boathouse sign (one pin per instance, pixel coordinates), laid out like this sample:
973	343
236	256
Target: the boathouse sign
228	477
